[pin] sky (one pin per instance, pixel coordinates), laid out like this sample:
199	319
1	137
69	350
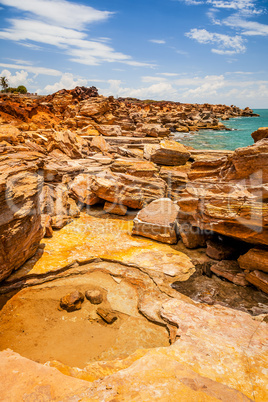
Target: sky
193	51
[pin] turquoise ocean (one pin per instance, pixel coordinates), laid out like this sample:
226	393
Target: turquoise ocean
239	136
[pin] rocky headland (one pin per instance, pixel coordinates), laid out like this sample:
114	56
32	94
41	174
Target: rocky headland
132	267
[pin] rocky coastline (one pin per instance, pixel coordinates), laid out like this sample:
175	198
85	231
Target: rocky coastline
98	199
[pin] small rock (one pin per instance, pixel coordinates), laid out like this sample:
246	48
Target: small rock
107	315
117	209
192	237
230	270
220	251
94	296
72	301
46	221
59	221
259	279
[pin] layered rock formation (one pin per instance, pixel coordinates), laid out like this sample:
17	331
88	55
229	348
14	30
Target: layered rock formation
75	149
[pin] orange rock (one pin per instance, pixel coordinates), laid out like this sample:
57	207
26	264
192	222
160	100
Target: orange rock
128	190
158	221
81	189
259	134
255	258
99	144
259	279
20	221
170	153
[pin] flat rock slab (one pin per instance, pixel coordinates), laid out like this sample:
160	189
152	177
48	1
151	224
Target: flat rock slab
230	270
90	237
158	221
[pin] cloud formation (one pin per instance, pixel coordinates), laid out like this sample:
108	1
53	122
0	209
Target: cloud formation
62	24
226	44
158	41
60	12
67	81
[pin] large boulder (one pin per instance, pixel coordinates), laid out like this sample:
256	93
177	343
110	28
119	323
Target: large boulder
20	220
170	153
131	191
158	221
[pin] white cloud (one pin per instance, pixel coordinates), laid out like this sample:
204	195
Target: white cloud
19	61
249	28
244	6
67	81
192	2
60	12
158	41
226	43
162	90
33	69
169	74
153	79
61	24
20	78
210	85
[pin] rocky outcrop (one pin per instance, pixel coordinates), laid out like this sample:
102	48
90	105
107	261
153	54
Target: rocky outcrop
81	190
128	190
259	134
158	221
228	196
20	220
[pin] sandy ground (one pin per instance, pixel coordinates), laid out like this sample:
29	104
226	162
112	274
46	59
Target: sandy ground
32	324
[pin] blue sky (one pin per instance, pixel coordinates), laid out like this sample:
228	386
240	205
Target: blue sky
194	51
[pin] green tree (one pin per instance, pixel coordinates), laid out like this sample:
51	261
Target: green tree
4	83
21	89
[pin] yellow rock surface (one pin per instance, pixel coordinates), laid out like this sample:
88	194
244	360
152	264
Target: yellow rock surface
90	237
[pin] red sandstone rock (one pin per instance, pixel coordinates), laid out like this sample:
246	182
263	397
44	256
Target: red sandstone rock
117	209
46	222
192	237
158	221
259	279
67	142
99	144
72	301
134	167
220	251
170	153
254	259
128	190
228	198
259	134
81	189
231	271
20	220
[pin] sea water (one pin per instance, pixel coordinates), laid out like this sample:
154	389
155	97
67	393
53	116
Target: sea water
239	136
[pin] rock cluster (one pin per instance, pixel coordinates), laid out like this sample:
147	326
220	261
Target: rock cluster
75	149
